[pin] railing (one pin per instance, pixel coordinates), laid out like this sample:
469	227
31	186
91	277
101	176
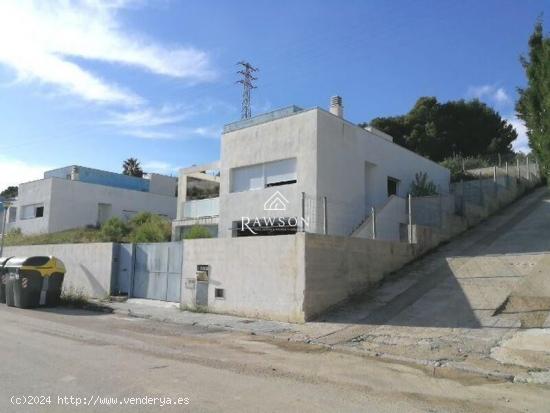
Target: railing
199	208
492	188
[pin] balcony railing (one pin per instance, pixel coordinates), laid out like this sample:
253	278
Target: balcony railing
201	208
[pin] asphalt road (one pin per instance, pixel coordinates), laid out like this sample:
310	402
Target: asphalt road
53	355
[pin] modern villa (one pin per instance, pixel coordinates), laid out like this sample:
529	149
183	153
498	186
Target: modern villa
76	197
295	169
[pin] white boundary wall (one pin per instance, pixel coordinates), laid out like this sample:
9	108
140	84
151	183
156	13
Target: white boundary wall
89	266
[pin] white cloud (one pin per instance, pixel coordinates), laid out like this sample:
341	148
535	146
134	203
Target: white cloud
205	131
37	40
521	144
148	134
490	93
15	171
150	117
160	167
210	132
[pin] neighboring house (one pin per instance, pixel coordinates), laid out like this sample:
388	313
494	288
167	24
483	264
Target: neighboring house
281	166
76	196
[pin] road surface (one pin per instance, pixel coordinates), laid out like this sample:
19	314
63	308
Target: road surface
97	357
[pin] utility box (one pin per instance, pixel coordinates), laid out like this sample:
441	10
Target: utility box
201	287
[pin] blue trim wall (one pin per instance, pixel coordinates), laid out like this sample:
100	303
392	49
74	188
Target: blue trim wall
96	176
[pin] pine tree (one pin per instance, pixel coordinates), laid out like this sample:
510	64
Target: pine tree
533	106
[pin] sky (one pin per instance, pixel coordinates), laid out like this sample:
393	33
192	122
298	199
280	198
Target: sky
95	82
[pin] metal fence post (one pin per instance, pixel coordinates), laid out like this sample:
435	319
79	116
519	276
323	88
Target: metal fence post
325	216
303	212
495	183
480	189
373	214
463	201
440	210
410	220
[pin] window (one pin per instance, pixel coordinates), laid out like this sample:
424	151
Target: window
219	293
12	214
393	186
128	214
248	178
263	175
280	172
32	211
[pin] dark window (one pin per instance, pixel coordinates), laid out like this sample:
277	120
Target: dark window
39	212
219	293
393	185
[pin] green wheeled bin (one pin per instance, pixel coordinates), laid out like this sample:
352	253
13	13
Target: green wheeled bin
34	281
3	279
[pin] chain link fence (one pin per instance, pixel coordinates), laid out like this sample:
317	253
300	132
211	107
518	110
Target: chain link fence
492	187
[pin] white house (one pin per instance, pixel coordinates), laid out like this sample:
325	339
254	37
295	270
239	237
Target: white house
295	169
76	197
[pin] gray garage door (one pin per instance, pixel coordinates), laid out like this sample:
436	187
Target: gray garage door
157	271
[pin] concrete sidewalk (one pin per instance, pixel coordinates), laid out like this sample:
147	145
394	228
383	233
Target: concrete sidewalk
447	309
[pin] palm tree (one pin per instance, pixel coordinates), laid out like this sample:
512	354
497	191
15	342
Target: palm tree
131	167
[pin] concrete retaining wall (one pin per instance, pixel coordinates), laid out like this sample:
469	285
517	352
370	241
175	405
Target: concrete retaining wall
288	278
339	267
89	266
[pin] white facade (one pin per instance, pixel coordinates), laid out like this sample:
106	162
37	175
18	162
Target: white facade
319	154
56	204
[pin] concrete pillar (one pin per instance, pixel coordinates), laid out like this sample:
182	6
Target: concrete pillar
325	216
373	214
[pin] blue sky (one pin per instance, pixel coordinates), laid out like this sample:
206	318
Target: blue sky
95	82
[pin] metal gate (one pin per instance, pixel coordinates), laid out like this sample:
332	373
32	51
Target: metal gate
125	268
157	271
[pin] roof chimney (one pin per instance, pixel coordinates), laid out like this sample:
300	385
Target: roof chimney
336	107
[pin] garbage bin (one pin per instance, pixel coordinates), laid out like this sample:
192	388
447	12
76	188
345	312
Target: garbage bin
34	281
3	279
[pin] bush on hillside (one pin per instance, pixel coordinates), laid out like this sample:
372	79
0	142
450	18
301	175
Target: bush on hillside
196	232
455	165
114	230
422	186
156	229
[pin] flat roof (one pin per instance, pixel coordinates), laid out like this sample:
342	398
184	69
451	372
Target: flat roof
263	118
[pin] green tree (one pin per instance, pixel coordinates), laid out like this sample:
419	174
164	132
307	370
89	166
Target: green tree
441	130
9	192
197	231
114	230
131	167
148	227
422	186
533	106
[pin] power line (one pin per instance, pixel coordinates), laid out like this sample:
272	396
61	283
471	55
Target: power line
246	81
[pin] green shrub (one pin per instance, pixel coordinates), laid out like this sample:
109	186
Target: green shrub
473	163
421	186
455	166
147	227
114	230
196	232
140	219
